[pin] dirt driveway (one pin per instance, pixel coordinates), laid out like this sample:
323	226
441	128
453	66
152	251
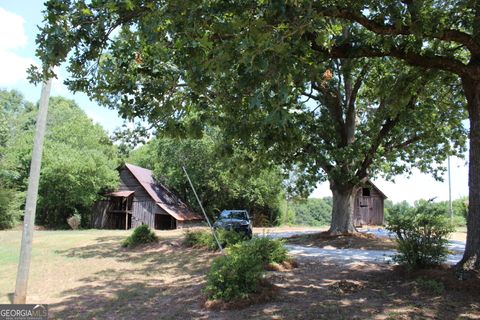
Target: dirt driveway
372	245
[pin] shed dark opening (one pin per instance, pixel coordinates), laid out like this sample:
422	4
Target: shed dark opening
164	222
366	192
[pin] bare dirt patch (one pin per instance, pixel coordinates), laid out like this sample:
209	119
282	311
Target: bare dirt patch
346	286
361	241
286	265
266	293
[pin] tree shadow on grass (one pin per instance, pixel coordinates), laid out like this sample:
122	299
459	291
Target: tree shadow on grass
380	292
131	300
110	247
165	281
158	281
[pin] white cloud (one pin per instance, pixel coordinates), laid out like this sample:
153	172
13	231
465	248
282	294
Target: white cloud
96	118
12	36
58	88
13	68
12	32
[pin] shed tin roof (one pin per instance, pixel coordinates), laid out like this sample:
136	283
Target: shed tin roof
163	197
376	188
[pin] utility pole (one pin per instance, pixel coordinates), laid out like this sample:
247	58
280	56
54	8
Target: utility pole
203	210
450	191
21	284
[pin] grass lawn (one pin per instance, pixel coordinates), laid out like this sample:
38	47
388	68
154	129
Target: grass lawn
87	275
83	274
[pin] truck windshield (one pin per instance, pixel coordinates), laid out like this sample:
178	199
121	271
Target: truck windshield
233	215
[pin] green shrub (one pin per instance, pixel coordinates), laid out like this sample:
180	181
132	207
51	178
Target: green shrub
236	275
141	235
421	234
229	237
205	238
10	202
459	221
200	239
74	221
268	250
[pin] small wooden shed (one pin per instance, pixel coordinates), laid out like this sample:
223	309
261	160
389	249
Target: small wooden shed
369	206
139	200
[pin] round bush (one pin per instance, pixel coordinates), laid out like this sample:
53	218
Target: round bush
238	274
421	235
141	235
74	221
234	276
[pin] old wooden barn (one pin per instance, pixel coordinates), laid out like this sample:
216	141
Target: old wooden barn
140	199
369	206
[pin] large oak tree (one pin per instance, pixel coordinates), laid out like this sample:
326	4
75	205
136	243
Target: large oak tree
440	35
285	79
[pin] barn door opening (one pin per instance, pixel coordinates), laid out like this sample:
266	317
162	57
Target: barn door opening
164	222
129	219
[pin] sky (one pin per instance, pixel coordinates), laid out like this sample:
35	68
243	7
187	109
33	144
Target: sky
18	29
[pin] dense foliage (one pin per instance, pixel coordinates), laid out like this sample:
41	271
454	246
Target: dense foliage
268	250
237	275
205	239
12	109
421	233
234	276
262	72
78	161
311	212
140	235
10	203
459	209
224	179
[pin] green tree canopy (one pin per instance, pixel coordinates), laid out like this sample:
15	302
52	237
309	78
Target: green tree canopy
178	65
311	212
223	180
248	63
79	162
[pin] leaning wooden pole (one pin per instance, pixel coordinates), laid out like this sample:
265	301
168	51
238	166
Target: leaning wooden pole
203	210
32	193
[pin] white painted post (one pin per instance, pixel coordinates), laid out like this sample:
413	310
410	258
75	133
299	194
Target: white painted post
20	295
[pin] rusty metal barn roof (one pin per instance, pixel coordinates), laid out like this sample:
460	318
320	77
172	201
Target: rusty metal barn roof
123	194
164	198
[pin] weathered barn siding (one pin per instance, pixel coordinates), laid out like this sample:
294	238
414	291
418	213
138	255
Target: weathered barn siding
129	183
369	209
143	213
100	216
103	218
138	200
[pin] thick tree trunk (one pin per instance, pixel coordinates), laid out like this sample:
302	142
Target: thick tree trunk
342	209
471	257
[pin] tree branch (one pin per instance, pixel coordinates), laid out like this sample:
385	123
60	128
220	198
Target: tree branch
404	144
351	113
386	128
334	106
311	96
425	60
404	30
416	59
